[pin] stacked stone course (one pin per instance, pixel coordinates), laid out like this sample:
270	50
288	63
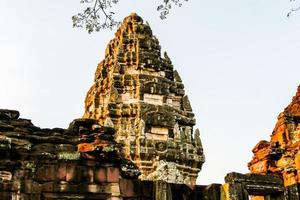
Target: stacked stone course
38	163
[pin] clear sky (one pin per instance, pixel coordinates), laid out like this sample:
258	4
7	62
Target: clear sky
239	61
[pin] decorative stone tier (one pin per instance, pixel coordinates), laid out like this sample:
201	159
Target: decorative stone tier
281	155
138	93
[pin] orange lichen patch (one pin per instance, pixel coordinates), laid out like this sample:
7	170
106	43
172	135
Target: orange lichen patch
296	135
294	107
259	167
263	153
257	198
272	168
289	178
88	147
297	160
285	162
261	145
85	147
225	191
279	135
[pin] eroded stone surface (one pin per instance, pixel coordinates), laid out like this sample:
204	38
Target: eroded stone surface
37	163
281	155
138	91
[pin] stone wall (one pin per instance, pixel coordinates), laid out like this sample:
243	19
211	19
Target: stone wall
81	162
257	187
84	162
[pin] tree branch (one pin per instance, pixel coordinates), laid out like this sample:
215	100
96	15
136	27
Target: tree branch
91	19
293	9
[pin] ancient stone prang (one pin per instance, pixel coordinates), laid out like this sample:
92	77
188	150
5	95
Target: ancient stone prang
138	92
281	155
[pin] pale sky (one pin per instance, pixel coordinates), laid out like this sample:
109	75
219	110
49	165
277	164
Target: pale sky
239	61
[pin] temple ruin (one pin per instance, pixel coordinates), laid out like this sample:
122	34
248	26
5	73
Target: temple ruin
281	155
136	139
138	92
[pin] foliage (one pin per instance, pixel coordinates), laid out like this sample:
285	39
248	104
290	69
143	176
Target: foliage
69	156
165	7
31	166
96	15
294	7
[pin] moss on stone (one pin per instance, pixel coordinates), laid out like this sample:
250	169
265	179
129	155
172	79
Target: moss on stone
69	156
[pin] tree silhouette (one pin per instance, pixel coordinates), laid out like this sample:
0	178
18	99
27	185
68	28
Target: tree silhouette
294	7
97	14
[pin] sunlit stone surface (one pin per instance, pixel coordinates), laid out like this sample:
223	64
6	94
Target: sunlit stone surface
138	91
281	155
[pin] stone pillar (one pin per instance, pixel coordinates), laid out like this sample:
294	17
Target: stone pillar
293	192
162	191
233	192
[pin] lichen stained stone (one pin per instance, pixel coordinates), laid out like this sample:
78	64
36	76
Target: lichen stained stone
281	154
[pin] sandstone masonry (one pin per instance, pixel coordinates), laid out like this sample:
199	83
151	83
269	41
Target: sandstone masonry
281	155
136	140
138	92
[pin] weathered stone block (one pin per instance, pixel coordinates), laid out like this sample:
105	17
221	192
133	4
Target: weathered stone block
48	187
84	174
257	184
232	192
62	172
32	187
211	192
9	114
6	195
72	175
101	175
6	186
113	174
130	188
5	176
46	173
293	192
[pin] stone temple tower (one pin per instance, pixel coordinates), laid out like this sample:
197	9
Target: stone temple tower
281	155
138	92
